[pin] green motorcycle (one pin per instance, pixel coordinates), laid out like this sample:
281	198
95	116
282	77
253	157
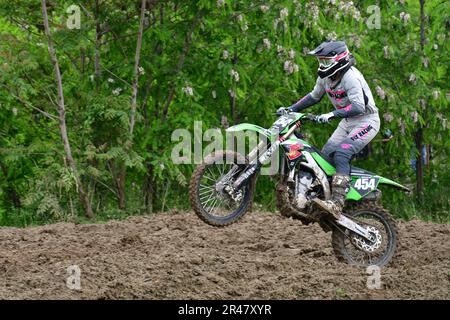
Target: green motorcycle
222	187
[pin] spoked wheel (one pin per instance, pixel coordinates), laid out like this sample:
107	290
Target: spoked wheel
356	250
208	189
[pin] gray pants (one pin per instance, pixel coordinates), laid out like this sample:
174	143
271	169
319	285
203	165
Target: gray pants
350	137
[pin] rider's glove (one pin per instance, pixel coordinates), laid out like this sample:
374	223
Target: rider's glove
325	118
282	111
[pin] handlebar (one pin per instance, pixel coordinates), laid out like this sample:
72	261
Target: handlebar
281	113
311	117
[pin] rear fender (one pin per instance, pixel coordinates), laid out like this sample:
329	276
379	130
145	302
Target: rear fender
394	184
361	186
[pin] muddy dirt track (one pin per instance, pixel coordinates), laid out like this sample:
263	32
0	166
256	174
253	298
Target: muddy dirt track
176	256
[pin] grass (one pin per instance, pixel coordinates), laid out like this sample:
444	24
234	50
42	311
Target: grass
433	205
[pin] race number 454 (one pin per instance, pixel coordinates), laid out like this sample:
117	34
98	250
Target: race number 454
365	184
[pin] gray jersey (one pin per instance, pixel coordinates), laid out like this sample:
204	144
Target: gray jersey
353	100
351	96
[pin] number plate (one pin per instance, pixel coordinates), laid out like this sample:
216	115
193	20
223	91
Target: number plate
282	122
365	185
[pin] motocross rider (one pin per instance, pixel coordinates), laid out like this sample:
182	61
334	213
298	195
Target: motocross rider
348	91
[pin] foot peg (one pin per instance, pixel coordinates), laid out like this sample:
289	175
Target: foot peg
329	207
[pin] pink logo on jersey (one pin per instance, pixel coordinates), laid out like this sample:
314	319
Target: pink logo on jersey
337	95
346	146
346	108
364	131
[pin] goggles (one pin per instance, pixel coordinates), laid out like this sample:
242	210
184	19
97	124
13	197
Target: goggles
327	62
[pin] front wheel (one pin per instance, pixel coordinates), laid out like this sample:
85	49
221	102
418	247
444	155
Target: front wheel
207	194
355	250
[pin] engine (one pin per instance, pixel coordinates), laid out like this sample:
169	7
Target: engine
303	184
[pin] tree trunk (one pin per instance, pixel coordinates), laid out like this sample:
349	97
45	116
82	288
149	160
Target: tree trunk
62	117
136	68
419	133
121	194
233	106
11	191
149	189
98	36
121	179
145	111
419	161
180	64
233	94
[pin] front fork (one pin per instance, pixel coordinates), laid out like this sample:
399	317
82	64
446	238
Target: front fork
353	226
255	165
257	162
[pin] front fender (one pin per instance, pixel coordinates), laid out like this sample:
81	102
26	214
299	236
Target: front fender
250	127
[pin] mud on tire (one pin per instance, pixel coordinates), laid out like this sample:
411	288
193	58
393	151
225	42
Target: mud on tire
194	186
356	209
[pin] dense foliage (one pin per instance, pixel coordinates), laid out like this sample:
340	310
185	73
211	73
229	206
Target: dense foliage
225	61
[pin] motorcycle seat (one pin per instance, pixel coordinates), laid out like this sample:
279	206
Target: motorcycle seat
355	171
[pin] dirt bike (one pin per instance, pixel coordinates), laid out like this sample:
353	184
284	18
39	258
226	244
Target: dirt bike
222	187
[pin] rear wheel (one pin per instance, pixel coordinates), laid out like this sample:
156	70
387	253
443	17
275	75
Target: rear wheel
353	249
208	198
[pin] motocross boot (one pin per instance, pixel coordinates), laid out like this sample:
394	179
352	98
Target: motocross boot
339	186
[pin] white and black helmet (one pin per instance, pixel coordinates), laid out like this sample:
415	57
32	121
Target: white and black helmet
333	56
